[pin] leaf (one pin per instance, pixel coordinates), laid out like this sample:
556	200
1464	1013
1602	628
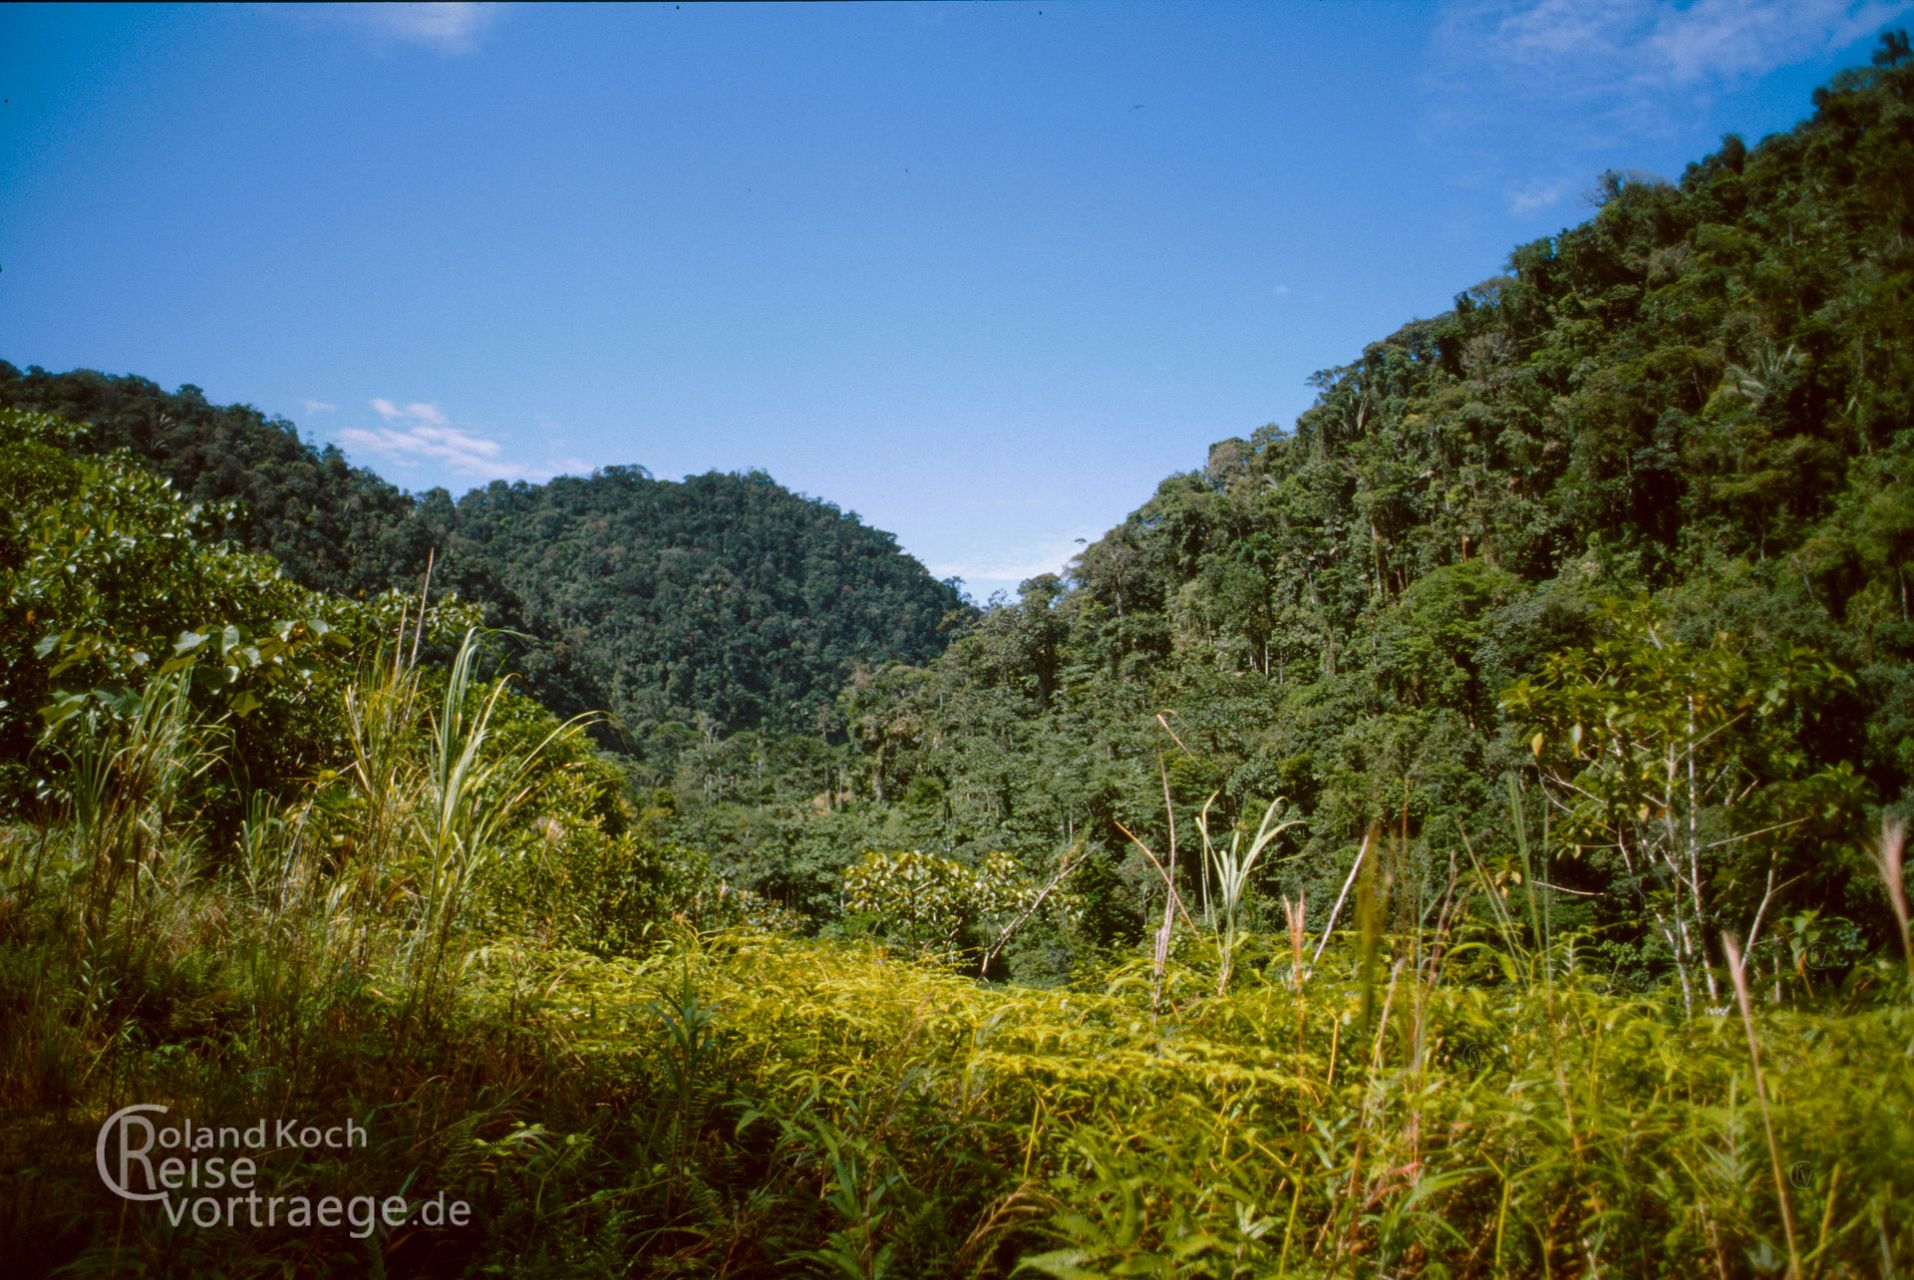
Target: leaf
1065	1264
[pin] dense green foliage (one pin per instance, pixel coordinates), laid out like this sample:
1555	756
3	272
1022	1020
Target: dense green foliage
331	526
724	601
721	603
1681	428
1551	677
110	580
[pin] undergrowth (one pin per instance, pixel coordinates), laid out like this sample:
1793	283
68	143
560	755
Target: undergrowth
1458	1098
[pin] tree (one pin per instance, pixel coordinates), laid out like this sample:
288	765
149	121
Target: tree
1655	754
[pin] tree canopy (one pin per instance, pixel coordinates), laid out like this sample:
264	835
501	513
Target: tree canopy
724	597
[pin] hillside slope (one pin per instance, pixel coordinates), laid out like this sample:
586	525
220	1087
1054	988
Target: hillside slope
1651	490
723	597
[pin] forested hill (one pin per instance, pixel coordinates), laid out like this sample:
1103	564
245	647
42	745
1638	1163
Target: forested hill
724	596
724	600
1658	475
332	526
1706	391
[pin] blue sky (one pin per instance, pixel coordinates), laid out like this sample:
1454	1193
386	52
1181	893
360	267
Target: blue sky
983	274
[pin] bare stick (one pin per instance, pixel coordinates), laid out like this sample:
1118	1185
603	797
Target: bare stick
425	589
1070	863
1761	1093
1888	856
1159	871
1754	933
1162	719
1353	868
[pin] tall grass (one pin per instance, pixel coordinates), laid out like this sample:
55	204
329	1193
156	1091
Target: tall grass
426	829
1440	1090
130	788
300	970
470	794
1232	866
1246	1134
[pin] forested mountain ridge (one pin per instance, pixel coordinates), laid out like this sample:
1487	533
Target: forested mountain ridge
1667	457
332	526
1460	837
724	601
723	598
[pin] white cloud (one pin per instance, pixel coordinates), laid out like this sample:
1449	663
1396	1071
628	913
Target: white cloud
420	434
1731	39
463	452
430	414
994	570
1281	291
1598	67
319	406
1537	195
1551	28
447	27
451	27
1651	42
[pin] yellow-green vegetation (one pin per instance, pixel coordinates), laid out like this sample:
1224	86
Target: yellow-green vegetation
933	906
309	962
739	1102
1488	1125
415	942
1564	649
